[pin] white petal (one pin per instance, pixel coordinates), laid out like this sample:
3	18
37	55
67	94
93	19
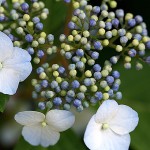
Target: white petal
29	117
125	120
38	135
60	120
93	137
9	81
6	47
106	111
97	139
20	62
32	134
49	136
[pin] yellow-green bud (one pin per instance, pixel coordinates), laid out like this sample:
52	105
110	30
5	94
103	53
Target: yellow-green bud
135	42
36	60
145	39
129	35
35	44
127	59
91	62
43	34
74	18
17	43
67	47
119	48
101	31
104	13
43	16
42	75
105	96
76	5
128	16
74	32
26	17
86	34
59	79
114	32
70	38
94	17
55	74
94	88
139	29
141	47
105	42
41	40
63	93
113	4
83	88
73	73
83	59
105	73
34	82
88	73
36	5
107	88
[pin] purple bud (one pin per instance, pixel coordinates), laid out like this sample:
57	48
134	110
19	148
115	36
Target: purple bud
115	22
92	22
57	101
40	53
24	6
131	22
71	25
39	26
132	53
29	38
97	45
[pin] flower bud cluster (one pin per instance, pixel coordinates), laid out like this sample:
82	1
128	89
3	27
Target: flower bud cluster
25	28
94	28
60	88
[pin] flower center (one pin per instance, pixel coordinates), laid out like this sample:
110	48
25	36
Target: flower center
1	65
105	126
44	124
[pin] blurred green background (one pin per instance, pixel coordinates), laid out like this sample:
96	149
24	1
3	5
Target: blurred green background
135	87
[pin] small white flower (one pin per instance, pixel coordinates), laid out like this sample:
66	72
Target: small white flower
109	128
44	130
15	65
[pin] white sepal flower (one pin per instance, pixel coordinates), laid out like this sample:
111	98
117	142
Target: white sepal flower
109	128
44	130
15	65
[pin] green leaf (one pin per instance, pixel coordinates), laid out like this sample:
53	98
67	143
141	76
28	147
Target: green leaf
136	94
3	100
68	141
57	16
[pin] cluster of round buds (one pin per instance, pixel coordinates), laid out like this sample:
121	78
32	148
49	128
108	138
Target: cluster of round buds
77	3
60	88
94	28
26	30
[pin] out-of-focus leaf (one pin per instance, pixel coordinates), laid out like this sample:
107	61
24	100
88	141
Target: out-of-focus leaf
57	16
68	141
3	100
136	92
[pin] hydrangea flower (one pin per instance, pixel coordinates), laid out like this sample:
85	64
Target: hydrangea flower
109	128
44	130
15	65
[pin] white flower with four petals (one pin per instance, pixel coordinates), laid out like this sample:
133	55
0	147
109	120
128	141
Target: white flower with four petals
44	130
15	65
109	128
